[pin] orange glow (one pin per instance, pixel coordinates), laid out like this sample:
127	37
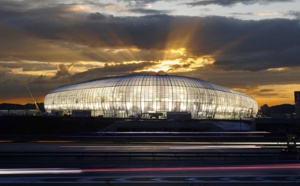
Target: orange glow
263	14
22	100
176	61
278	94
79	8
277	69
273	101
182	37
176	58
180	51
34	73
179	65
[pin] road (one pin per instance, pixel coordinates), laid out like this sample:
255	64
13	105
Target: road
276	174
152	171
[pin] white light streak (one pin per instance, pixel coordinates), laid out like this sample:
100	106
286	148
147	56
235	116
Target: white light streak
40	171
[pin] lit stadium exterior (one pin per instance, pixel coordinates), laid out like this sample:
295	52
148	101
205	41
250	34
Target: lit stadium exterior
141	95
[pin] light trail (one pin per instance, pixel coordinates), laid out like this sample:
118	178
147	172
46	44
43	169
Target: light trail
211	168
216	147
177	134
184	145
40	171
181	143
138	169
216	143
55	141
181	133
6	141
176	147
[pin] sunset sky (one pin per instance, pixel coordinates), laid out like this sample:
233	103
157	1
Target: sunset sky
252	46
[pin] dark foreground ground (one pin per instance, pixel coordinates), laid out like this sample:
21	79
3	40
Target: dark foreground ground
148	163
72	151
45	125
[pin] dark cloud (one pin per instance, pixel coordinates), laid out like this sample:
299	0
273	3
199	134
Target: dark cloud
112	55
266	90
243	14
3	72
108	70
233	2
267	95
250	45
235	44
42	79
294	14
148	11
17	44
262	60
96	16
113	70
246	79
13	86
140	3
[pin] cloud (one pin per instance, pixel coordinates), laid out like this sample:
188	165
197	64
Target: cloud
56	33
266	90
123	55
262	60
42	79
63	71
140	3
50	34
295	14
233	2
26	65
108	70
3	72
13	86
258	14
39	36
148	11
246	79
96	16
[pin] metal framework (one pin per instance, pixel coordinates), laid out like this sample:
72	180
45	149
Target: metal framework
139	95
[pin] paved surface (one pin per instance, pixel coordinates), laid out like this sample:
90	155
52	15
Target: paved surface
232	175
213	180
152	172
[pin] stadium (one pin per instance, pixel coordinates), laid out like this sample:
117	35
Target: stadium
148	96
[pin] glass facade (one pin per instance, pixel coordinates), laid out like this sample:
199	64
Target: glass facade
141	95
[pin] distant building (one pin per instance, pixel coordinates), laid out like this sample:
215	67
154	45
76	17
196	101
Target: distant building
277	111
265	111
297	104
151	96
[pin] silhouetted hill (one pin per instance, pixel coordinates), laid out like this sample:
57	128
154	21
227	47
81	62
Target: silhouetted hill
10	106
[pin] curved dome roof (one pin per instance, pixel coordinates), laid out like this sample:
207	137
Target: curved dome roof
146	80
